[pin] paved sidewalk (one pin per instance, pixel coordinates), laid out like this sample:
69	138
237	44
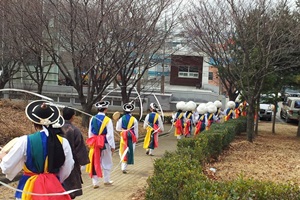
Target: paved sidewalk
127	184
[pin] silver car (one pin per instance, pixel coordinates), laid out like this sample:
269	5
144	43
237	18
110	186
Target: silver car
265	111
290	108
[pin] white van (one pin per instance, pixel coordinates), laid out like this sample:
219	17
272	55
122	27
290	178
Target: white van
290	109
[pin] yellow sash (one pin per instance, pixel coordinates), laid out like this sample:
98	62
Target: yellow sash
228	115
123	145
149	130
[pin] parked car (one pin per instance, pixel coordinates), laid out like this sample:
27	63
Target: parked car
290	108
265	111
266	107
290	92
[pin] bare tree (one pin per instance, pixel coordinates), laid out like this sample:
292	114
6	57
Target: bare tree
92	40
10	62
77	36
246	40
34	67
210	30
143	25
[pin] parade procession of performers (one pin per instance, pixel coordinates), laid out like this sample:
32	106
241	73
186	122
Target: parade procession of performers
56	149
189	116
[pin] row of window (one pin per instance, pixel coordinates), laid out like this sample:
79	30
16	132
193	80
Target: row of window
191	72
188	72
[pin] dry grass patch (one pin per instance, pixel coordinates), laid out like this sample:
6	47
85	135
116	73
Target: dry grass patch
271	157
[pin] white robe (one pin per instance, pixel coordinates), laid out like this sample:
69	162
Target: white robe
160	122
13	162
106	154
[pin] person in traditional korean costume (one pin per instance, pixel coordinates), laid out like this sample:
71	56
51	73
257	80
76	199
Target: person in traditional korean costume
210	117
189	122
200	119
237	110
79	151
219	111
101	142
178	119
153	125
229	112
128	126
45	157
244	106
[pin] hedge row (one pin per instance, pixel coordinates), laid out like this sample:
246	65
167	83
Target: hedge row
179	175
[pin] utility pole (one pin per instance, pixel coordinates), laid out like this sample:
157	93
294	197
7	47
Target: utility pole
162	85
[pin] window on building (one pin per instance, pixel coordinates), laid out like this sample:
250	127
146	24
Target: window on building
210	76
188	72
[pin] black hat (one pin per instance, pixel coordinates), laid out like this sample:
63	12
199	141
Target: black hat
102	104
42	112
59	123
128	107
153	106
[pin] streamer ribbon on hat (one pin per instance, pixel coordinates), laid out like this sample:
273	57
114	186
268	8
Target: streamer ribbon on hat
63	106
25	91
138	96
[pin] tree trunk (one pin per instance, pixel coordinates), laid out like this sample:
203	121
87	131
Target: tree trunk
250	122
298	132
40	88
87	108
274	116
162	84
2	84
256	118
125	96
85	121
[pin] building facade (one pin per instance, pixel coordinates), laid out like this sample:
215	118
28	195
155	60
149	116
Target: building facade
186	70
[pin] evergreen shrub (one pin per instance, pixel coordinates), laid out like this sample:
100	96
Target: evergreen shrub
179	175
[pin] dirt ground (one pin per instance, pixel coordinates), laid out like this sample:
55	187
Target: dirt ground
273	157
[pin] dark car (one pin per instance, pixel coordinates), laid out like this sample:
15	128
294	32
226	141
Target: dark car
290	92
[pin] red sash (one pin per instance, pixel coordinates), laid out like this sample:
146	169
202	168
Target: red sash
187	127
47	184
155	135
98	142
178	126
198	128
237	113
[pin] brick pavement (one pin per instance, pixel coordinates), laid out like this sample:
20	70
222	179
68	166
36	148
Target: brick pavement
126	184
